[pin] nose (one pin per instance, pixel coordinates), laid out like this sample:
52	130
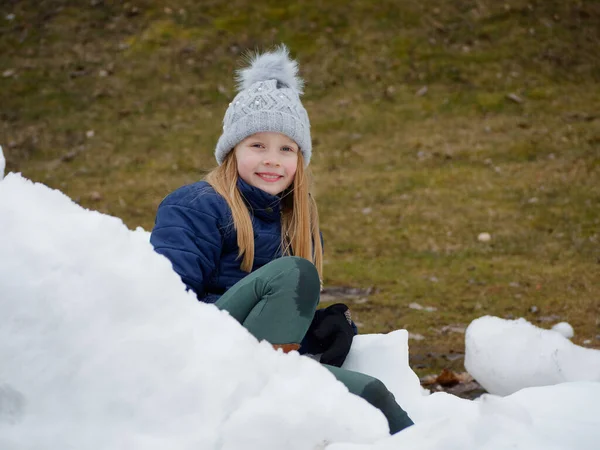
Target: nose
271	161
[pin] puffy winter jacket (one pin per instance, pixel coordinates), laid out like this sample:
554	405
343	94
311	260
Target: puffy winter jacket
194	230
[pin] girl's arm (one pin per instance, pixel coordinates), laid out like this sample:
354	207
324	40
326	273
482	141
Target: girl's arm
188	234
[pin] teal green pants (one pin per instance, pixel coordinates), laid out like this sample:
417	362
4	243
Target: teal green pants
277	303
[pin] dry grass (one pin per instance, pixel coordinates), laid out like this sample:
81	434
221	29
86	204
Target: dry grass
406	181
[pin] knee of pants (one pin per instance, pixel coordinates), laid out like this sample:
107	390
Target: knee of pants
308	271
309	276
295	261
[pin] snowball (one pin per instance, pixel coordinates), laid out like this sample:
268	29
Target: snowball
565	329
484	237
507	355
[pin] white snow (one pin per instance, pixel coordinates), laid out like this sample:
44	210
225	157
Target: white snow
565	329
561	417
484	237
505	356
2	164
385	356
102	348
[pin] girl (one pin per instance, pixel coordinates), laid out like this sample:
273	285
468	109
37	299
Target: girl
231	237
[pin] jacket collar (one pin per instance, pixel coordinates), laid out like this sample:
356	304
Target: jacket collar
260	203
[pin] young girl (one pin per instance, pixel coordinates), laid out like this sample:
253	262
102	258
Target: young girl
231	237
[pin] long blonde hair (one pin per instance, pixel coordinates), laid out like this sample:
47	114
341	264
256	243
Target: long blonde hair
299	219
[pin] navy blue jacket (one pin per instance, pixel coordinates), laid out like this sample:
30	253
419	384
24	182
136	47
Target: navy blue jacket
194	230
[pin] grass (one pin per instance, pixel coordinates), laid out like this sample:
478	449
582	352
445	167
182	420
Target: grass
118	104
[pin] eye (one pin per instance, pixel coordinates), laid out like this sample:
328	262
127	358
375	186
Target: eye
257	145
287	148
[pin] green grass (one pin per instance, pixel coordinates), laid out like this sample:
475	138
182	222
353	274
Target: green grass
405	182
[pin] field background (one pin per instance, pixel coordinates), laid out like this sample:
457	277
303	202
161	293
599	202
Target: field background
433	121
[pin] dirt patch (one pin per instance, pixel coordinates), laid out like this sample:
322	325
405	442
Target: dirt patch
460	384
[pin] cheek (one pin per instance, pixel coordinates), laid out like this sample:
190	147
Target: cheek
291	167
245	162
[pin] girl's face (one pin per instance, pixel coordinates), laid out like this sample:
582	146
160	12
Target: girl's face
267	161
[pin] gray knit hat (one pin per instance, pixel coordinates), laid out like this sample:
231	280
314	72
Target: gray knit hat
268	100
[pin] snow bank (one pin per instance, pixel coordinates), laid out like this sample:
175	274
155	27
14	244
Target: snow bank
505	356
101	347
561	417
2	164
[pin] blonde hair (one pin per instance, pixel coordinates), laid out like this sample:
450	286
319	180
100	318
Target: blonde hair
299	219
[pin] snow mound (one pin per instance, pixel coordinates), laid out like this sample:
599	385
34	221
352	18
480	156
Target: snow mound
505	356
2	164
562	417
102	348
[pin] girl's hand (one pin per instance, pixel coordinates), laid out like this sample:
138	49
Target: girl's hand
332	330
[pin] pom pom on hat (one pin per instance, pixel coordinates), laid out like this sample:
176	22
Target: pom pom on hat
275	65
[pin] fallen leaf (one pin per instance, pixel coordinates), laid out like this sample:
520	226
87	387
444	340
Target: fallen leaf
447	378
428	380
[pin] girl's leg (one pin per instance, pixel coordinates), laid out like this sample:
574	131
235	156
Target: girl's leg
276	302
375	392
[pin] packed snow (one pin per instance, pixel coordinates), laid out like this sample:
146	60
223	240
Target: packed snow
2	163
101	347
505	356
543	418
565	329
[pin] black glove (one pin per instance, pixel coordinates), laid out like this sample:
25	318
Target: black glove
331	333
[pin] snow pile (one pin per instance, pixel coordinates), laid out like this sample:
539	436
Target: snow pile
505	356
560	417
2	164
102	348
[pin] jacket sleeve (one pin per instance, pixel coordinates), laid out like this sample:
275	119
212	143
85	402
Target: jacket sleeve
189	235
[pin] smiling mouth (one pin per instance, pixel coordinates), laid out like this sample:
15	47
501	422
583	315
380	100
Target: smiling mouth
269	177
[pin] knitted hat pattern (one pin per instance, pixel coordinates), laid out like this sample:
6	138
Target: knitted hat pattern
268	100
